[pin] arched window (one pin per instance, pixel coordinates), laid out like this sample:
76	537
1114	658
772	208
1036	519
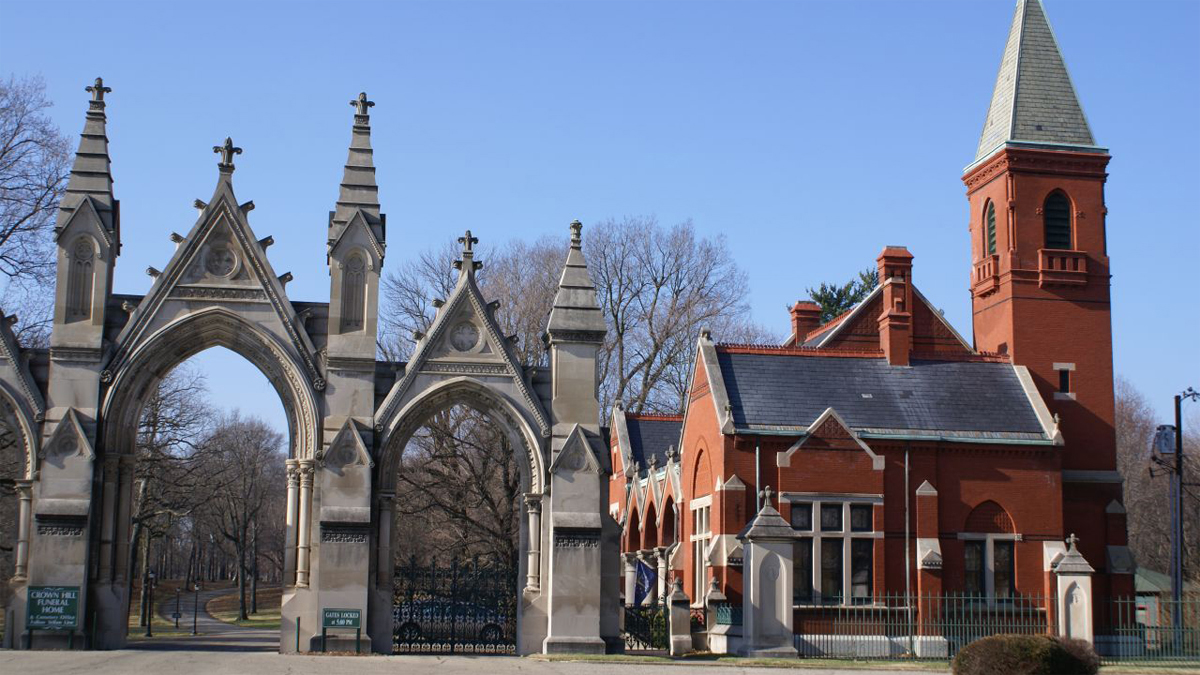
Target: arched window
353	292
989	553
990	230
1056	214
79	280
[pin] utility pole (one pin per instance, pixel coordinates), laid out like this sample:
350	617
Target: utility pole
1163	445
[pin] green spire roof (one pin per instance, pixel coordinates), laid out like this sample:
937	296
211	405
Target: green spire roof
1034	100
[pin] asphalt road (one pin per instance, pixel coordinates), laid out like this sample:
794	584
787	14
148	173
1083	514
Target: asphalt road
213	635
181	662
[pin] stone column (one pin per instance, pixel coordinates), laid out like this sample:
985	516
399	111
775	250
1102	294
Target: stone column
680	621
289	542
767	585
305	534
630	576
663	570
384	557
108	514
533	564
124	513
1074	594
24	512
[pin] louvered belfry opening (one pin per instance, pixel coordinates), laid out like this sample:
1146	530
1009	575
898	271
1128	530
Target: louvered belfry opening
991	228
1057	215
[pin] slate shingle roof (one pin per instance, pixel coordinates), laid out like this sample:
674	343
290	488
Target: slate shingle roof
1033	100
650	437
789	391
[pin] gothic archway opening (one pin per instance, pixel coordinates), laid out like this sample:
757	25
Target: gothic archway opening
193	490
457	554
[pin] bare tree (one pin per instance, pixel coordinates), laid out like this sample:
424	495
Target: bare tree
1147	498
244	465
34	165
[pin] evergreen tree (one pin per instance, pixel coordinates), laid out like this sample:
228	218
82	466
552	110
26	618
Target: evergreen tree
835	299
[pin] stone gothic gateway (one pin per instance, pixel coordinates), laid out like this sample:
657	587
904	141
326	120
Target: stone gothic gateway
75	410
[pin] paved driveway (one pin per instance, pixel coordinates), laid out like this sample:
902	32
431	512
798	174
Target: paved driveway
179	662
214	635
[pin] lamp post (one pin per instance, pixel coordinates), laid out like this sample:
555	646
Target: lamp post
150	604
195	605
1168	440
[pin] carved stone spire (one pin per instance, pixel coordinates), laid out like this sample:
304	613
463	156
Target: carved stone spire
576	316
358	189
91	175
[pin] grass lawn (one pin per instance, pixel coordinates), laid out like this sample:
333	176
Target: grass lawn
225	608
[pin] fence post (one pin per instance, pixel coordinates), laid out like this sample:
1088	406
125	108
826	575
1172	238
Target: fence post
680	620
767	585
1074	594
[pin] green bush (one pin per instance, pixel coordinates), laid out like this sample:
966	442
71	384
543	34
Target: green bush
1026	655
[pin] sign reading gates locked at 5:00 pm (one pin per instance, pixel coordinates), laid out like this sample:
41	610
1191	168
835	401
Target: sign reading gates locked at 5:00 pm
341	618
53	607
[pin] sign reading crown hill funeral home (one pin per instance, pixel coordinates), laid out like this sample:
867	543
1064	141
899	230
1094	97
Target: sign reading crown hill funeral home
342	618
53	607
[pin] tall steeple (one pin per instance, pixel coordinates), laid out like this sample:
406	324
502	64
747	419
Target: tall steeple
358	189
91	175
1034	101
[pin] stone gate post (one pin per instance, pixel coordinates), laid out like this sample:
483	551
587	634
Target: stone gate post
767	590
1074	594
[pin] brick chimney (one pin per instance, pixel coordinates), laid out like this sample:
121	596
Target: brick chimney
806	317
895	319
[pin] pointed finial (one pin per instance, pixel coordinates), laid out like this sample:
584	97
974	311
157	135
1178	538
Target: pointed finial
361	105
576	234
1071	541
227	152
766	495
467	241
98	90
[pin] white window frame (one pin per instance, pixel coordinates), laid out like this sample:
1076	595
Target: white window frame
701	511
989	561
845	537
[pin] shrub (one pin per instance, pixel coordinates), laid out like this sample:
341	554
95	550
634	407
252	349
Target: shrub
1026	655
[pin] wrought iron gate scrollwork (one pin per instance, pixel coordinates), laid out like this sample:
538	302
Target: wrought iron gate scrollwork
456	607
645	627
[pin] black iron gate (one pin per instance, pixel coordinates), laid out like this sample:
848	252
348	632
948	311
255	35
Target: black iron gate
645	628
463	606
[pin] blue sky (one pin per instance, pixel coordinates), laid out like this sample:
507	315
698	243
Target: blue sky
811	134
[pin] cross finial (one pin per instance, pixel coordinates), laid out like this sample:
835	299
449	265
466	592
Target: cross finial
98	90
766	495
362	104
227	152
1071	541
576	234
467	241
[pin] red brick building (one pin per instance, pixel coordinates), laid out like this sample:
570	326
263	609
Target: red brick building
884	434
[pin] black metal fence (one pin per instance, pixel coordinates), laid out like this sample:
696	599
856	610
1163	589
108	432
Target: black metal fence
1141	630
455	607
645	628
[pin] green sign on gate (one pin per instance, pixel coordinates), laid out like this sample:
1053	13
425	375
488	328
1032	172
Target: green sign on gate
53	607
341	618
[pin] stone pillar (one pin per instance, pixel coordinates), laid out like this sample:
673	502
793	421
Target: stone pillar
663	571
290	524
108	514
1074	594
630	560
680	620
305	526
24	512
767	585
929	641
124	514
533	564
384	559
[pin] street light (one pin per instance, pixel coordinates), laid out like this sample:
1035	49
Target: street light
150	604
1168	440
195	605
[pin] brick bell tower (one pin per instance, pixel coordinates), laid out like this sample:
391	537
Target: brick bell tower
1040	273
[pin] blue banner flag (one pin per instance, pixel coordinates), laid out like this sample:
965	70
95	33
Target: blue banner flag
646	578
